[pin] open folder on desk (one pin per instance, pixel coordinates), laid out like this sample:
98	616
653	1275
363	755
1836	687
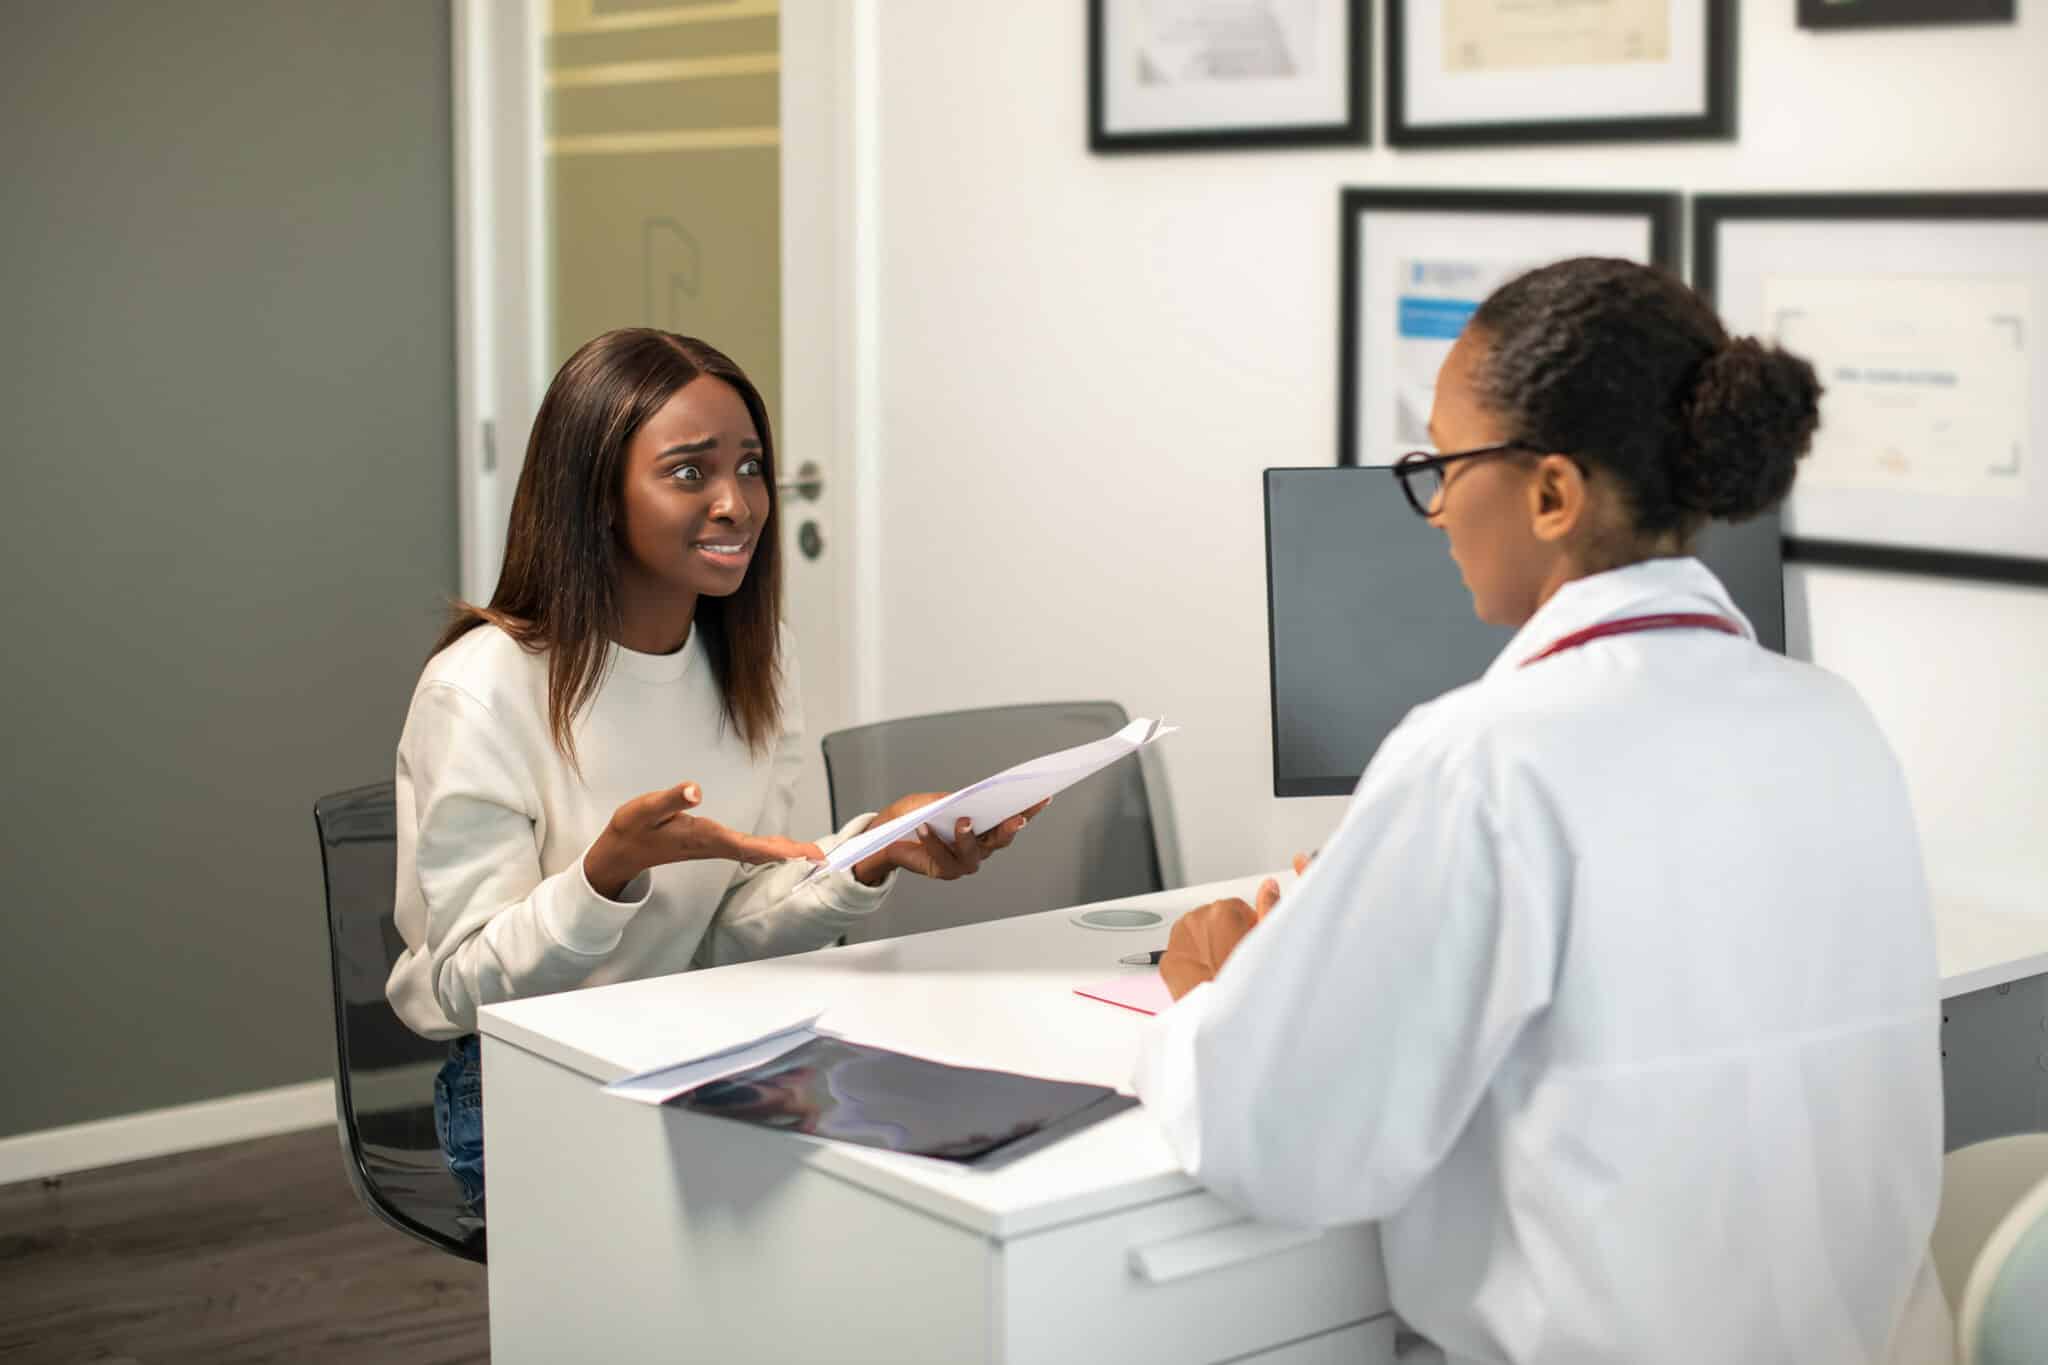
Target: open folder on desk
995	799
808	1079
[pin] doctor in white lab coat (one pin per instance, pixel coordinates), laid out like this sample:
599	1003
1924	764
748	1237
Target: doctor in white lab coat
1613	997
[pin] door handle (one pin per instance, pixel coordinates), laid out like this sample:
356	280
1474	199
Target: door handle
808	484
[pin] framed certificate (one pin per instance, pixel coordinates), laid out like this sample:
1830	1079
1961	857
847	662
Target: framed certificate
1417	263
1512	71
1174	75
1887	13
1923	315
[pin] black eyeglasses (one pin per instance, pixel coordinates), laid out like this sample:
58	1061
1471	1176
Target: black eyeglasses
1421	472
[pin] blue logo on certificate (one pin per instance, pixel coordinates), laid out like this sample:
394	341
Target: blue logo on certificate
1427	319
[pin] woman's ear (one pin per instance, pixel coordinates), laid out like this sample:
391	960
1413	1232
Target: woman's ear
1559	498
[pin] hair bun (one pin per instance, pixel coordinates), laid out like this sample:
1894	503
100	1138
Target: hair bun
1751	415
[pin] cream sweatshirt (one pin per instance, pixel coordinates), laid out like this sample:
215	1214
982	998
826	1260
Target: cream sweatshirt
493	824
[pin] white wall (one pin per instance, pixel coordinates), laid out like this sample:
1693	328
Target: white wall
1086	361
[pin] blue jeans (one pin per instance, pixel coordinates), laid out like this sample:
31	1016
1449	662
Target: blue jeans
459	1117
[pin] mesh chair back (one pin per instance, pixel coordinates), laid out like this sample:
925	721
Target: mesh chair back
1099	840
384	1072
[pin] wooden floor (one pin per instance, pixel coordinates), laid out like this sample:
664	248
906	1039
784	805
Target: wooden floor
255	1252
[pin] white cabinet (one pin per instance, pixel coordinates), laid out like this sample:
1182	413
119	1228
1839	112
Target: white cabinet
624	1233
1184	1279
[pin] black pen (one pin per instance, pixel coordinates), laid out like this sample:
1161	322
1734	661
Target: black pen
1150	959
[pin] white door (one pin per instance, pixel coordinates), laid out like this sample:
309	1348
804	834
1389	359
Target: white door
683	164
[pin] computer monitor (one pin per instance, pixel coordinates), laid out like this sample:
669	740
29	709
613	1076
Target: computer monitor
1367	616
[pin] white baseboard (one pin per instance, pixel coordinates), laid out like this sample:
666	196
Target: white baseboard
163	1132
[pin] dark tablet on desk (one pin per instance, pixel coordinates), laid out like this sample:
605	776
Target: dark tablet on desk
851	1092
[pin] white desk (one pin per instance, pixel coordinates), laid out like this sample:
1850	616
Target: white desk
621	1232
624	1233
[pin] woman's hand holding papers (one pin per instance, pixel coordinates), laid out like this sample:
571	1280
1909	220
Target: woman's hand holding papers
653	829
927	854
1205	936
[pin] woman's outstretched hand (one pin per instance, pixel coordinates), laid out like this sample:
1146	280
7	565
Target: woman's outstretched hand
926	854
655	829
1205	936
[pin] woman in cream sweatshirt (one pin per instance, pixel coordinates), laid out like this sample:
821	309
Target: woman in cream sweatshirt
596	773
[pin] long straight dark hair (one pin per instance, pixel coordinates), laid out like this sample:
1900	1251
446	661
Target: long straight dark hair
558	590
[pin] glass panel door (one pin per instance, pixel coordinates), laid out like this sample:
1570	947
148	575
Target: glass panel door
664	157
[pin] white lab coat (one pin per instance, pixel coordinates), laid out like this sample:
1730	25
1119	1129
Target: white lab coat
1614	999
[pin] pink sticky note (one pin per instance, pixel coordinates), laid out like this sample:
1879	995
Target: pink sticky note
1144	992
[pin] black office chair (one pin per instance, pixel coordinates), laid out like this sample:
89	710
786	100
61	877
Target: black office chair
383	1071
1104	838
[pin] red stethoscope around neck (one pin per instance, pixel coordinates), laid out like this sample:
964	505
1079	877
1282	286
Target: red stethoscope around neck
1631	625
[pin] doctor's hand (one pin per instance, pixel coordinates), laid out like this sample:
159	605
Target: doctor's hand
926	854
655	829
1206	935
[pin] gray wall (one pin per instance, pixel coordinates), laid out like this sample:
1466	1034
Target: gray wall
227	412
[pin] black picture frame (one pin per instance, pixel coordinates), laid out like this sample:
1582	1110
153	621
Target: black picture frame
1711	212
1841	14
1717	120
1661	211
1351	131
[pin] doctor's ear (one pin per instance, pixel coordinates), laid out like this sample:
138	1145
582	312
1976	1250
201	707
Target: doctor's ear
1559	497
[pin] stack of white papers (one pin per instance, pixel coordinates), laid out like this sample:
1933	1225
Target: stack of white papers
995	799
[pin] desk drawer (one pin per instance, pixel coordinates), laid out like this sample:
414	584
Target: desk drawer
1187	1280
